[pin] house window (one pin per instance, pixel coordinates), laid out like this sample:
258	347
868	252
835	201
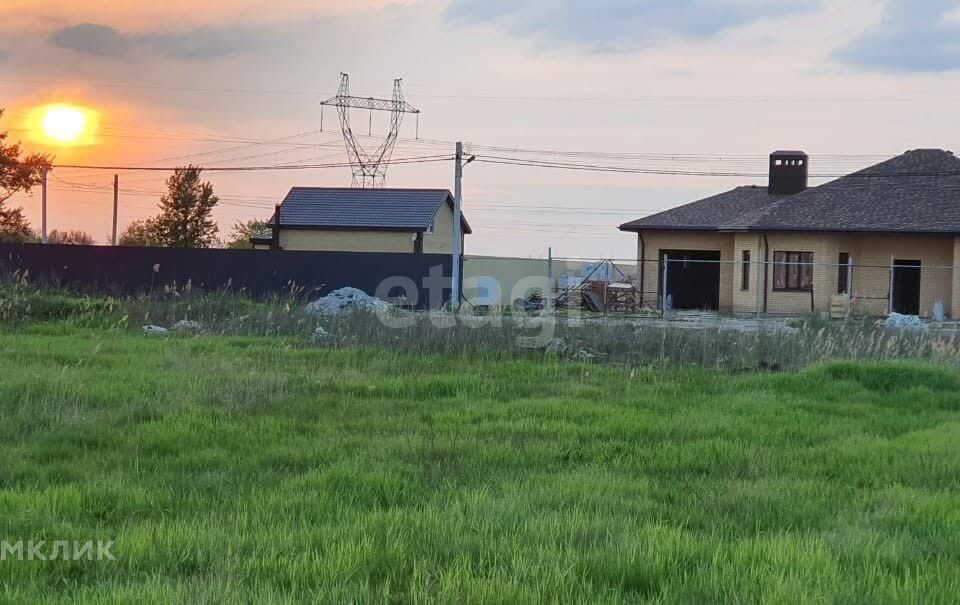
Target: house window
430	228
745	271
793	271
843	274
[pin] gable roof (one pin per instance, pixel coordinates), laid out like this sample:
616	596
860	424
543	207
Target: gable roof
721	211
917	192
367	209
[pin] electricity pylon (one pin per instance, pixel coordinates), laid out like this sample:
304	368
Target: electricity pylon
369	168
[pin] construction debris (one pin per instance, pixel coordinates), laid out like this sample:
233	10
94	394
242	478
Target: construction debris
557	346
904	322
346	300
155	330
186	325
322	337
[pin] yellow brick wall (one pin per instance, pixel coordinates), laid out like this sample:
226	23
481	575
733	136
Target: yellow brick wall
955	306
750	300
441	241
680	240
871	253
825	253
871	277
346	241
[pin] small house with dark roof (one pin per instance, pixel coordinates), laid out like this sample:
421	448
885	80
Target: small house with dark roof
886	238
415	221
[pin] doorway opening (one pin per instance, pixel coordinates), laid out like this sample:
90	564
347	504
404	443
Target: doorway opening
906	286
693	279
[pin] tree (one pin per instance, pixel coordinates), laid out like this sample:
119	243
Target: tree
14	227
141	233
185	211
74	237
17	175
242	232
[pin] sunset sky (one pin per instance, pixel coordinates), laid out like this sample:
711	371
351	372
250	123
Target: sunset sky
692	85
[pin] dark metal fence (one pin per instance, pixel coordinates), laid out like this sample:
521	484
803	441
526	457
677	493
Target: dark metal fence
126	270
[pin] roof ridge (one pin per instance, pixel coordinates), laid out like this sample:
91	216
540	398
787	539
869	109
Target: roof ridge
944	153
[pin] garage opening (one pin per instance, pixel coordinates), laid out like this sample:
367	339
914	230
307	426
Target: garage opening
693	279
906	286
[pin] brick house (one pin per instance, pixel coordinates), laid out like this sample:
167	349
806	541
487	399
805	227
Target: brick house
887	238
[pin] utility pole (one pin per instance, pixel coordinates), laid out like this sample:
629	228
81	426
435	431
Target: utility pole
116	200
457	228
43	206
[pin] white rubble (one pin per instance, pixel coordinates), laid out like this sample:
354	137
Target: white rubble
346	300
154	330
557	346
186	325
321	336
906	322
584	355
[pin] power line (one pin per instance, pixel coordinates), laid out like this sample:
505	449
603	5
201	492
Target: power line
282	152
280	167
186	139
511	161
270	142
840	161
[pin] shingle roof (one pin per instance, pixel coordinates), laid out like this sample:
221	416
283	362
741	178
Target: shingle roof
375	209
722	211
917	192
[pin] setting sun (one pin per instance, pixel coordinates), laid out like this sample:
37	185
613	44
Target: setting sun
64	124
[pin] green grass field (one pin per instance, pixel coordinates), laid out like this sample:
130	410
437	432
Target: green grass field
258	469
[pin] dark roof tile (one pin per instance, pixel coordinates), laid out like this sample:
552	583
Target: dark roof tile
324	207
729	210
917	192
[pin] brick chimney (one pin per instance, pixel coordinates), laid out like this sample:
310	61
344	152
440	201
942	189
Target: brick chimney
788	172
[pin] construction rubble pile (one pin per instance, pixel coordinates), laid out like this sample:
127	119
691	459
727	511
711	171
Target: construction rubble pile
346	300
904	322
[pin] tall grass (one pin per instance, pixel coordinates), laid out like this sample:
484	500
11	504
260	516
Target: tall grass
635	342
269	470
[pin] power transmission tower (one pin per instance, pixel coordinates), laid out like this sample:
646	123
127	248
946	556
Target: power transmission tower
369	168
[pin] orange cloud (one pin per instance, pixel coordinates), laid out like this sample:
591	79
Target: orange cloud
136	15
